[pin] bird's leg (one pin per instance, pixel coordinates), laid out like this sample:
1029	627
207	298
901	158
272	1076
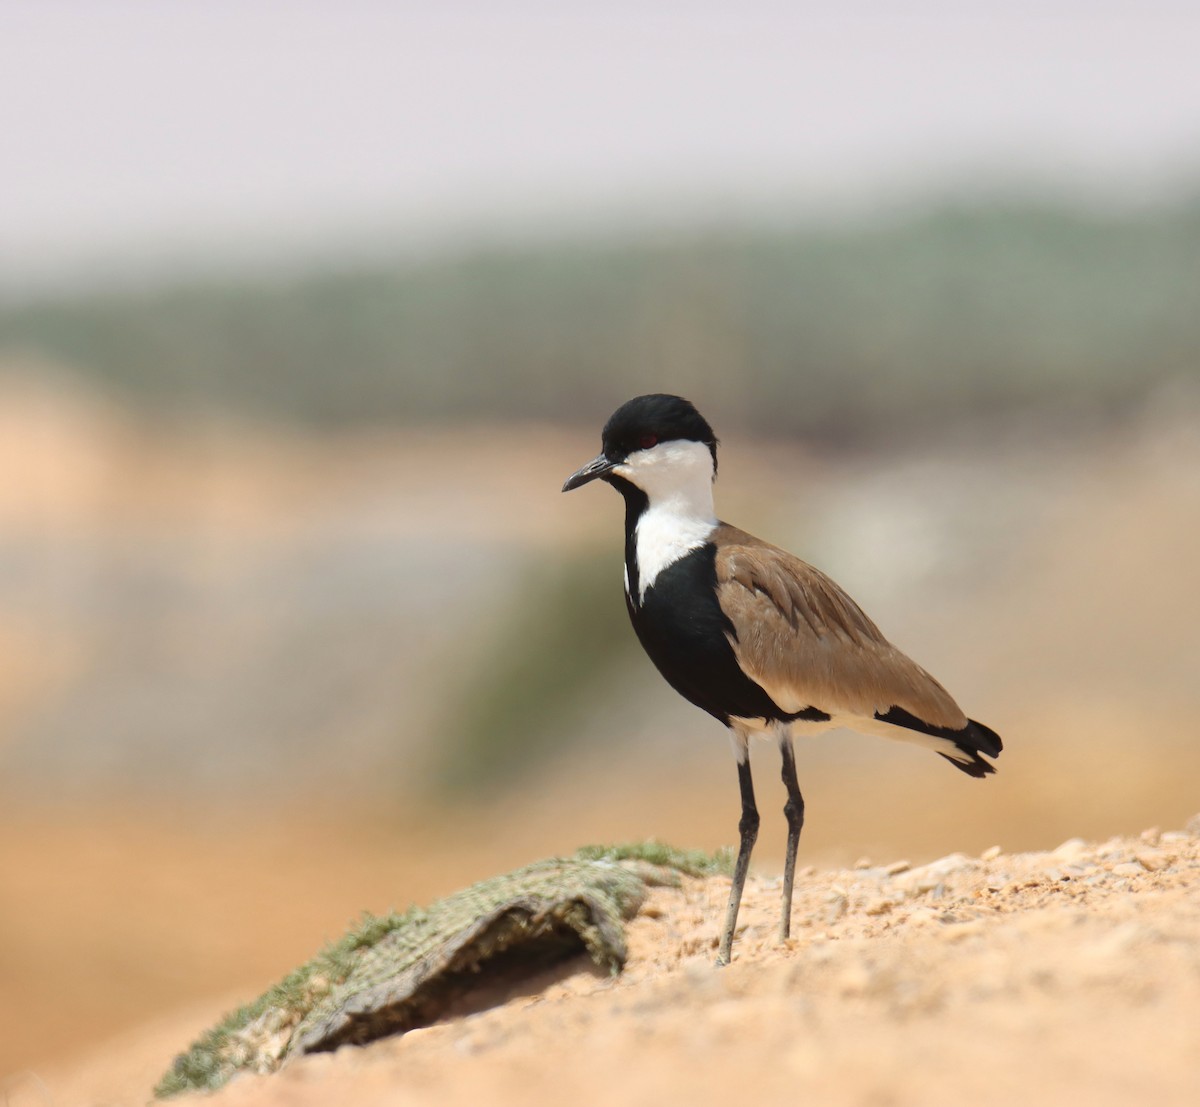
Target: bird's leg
793	811
748	829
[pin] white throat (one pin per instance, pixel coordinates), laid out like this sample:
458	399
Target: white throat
677	478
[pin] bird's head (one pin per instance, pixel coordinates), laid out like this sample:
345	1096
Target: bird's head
657	443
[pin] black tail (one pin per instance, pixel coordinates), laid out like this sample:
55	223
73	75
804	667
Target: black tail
973	739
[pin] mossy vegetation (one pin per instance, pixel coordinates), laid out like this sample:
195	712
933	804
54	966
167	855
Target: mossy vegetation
392	973
691	862
203	1068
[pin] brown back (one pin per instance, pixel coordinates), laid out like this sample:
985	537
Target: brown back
810	645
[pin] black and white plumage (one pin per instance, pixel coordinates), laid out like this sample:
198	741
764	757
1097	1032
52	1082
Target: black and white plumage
759	639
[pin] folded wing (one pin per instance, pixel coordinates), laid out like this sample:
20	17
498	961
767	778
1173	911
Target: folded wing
808	644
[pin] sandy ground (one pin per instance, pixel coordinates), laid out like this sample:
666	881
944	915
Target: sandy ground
1070	975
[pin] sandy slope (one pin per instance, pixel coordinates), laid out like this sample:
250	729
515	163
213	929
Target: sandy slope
1051	977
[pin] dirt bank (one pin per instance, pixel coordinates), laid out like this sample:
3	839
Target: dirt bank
1045	977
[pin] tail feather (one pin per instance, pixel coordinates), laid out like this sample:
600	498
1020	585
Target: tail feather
972	740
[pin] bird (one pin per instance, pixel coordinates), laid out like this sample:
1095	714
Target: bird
762	641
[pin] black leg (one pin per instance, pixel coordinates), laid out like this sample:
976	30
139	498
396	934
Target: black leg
748	829
793	811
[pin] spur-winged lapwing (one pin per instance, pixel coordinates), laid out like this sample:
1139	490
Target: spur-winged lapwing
756	637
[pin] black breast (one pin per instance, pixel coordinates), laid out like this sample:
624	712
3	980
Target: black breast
683	629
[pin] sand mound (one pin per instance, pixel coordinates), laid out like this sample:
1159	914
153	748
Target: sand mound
1070	974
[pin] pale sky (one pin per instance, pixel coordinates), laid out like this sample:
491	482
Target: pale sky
130	128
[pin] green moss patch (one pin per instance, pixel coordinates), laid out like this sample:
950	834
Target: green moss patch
393	973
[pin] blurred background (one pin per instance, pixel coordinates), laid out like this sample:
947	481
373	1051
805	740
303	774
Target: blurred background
307	310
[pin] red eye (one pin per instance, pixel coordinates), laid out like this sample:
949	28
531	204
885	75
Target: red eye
648	440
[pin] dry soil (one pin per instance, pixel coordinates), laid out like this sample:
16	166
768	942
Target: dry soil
1050	977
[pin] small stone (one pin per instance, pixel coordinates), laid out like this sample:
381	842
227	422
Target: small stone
863	863
991	853
1172	837
897	867
1071	849
1152	862
1151	836
1127	868
955	932
927	877
835	908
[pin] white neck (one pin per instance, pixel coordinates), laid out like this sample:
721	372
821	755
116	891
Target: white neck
677	478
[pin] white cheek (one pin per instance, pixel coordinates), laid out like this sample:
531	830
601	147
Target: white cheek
669	469
677	479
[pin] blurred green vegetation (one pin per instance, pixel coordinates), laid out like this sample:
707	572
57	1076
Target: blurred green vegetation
886	324
565	634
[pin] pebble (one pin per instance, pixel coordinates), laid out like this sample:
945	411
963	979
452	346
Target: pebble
991	853
835	908
1127	868
927	877
1071	849
897	867
955	932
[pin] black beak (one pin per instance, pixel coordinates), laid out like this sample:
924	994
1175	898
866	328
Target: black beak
597	467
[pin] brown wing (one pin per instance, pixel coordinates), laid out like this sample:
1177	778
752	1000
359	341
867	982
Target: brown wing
810	645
